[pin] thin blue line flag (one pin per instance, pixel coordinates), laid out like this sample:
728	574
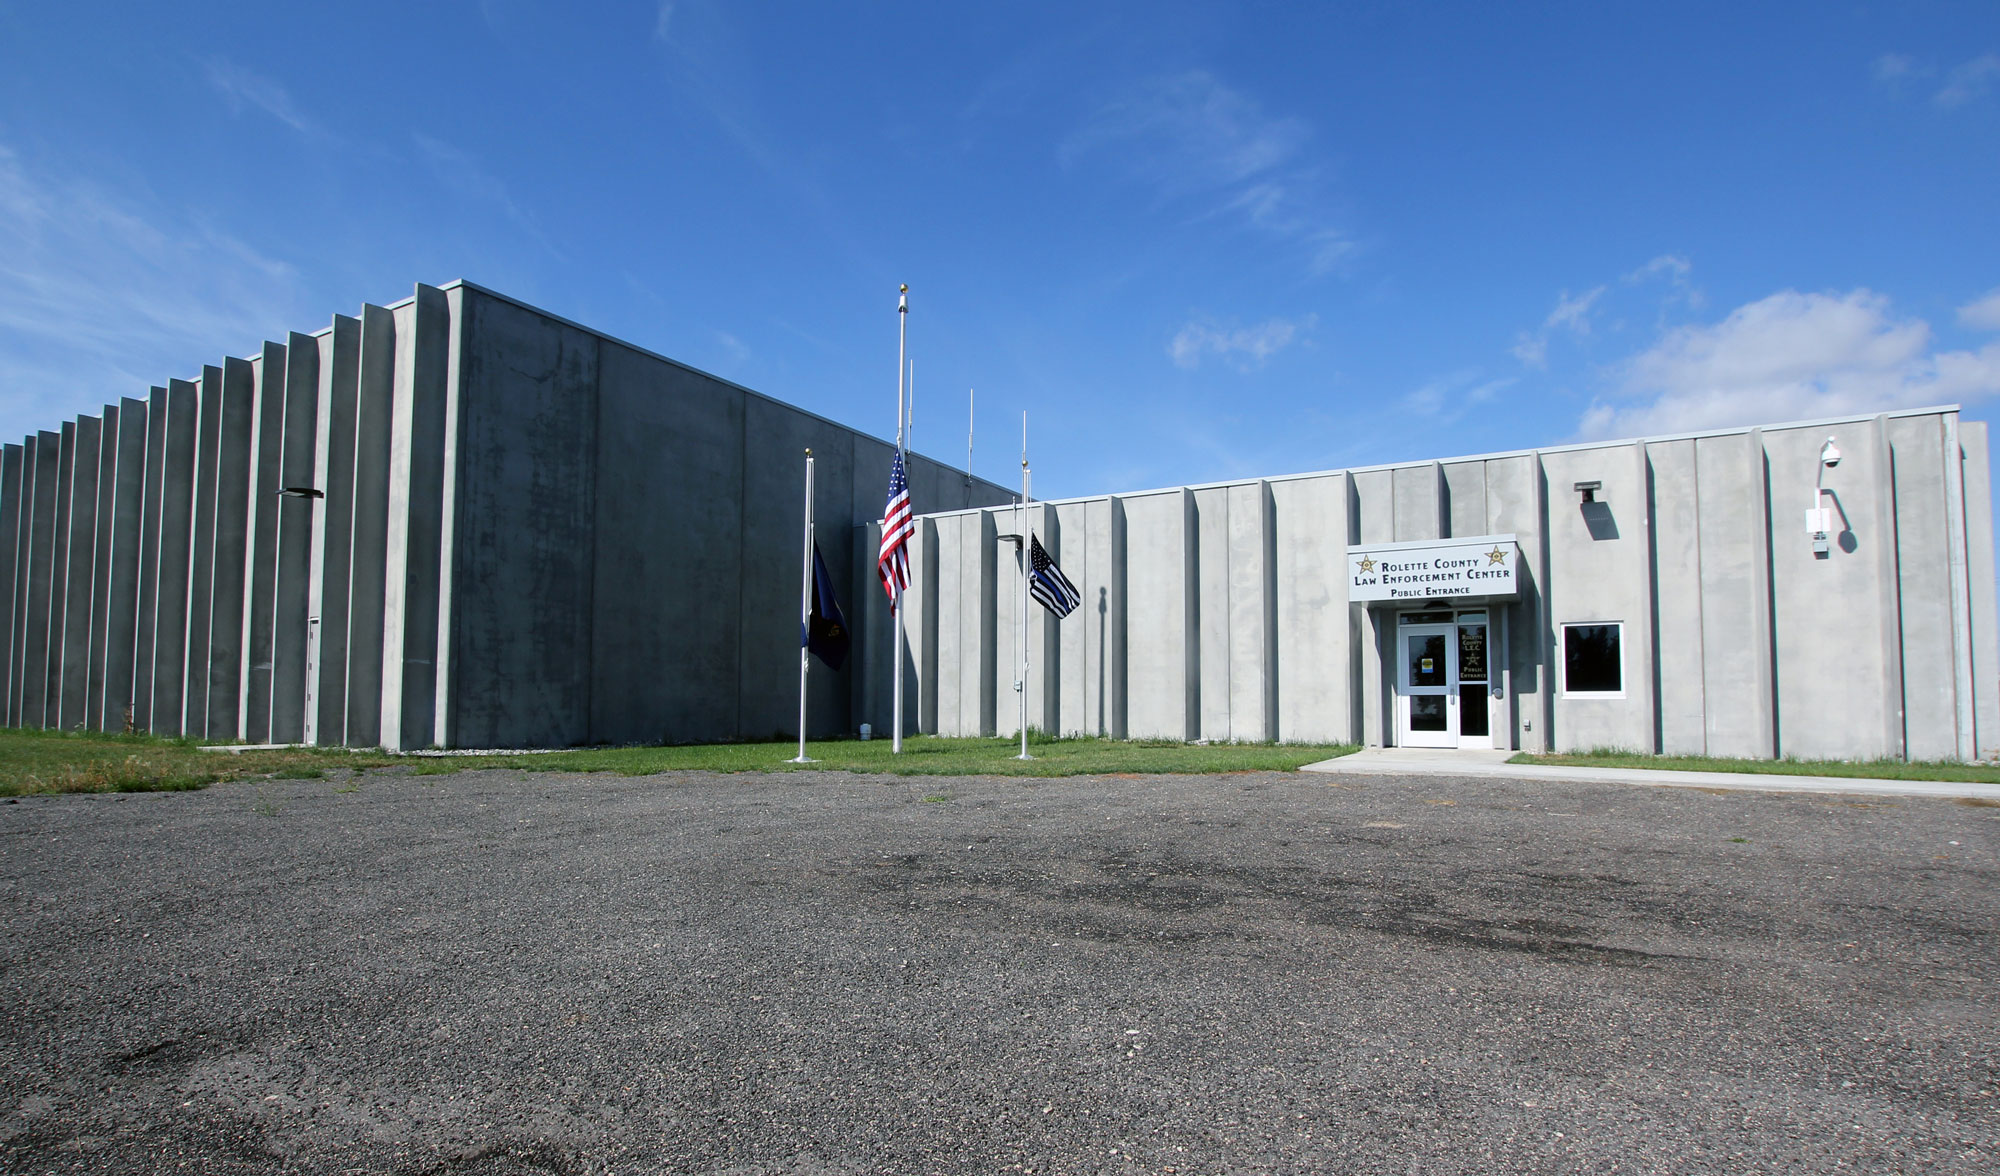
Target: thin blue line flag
1046	582
825	630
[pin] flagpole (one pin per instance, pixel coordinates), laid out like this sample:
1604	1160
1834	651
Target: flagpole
896	602
1027	569
805	611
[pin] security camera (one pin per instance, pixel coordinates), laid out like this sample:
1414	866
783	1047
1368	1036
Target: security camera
1829	454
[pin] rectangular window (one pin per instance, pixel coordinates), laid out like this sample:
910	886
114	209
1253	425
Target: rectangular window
1593	660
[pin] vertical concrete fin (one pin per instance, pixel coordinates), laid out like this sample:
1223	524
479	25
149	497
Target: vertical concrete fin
50	631
12	459
416	501
1961	594
1770	730
1973	440
260	564
1190	617
40	476
151	493
452	480
100	568
374	407
230	557
1648	577
931	593
333	529
988	663
298	430
1121	694
1888	557
121	594
201	566
175	556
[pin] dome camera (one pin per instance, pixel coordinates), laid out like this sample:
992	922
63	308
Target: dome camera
1829	454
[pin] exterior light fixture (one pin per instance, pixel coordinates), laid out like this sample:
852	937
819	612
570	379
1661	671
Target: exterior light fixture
1819	520
1588	490
301	492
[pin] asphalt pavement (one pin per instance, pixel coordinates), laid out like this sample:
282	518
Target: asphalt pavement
507	972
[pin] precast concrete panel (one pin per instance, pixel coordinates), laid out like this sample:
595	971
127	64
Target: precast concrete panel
1163	609
332	529
290	588
267	451
1955	558
531	490
175	552
1929	686
1835	697
924	622
201	565
445	671
79	573
1212	623
947	551
1599	571
1007	610
50	635
1735	601
413	568
100	568
1418	495
979	651
1677	599
1972	437
1252	614
1113	679
1074	632
1465	499
1314	670
235	432
1516	505
153	491
43	470
1045	633
1372	506
121	586
12	458
374	403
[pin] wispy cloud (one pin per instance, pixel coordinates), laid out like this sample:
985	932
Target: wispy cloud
103	293
243	89
460	172
1194	139
663	22
1964	83
1570	314
1787	357
1245	348
1450	397
1982	313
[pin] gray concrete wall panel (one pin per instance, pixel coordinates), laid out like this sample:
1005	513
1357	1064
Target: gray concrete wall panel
290	591
1418	498
1163	683
374	404
12	459
1735	641
1252	614
79	572
332	530
1676	511
1077	631
414	566
1515	505
51	635
149	560
1828	614
1972	437
1929	686
1599	568
236	425
175	552
1212	623
121	586
201	566
1373	505
100	568
1465	498
267	450
44	469
1314	660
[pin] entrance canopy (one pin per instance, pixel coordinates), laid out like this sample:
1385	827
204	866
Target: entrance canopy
1483	566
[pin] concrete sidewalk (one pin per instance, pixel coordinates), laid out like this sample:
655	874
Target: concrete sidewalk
1422	761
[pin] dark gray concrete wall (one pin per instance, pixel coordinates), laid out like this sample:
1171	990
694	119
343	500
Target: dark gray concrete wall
12	460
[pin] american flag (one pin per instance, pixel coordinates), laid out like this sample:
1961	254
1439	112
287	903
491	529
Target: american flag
898	524
1046	582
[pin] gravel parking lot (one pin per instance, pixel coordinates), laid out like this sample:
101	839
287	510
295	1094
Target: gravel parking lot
504	972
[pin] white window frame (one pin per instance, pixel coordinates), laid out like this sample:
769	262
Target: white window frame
1562	658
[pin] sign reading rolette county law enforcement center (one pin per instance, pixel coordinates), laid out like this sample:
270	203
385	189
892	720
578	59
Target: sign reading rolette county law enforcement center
1428	569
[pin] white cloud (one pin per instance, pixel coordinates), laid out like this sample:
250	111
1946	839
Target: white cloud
460	172
1787	357
663	22
1196	139
1570	314
1982	313
1673	265
104	293
1245	347
1892	67
1964	83
242	88
1450	397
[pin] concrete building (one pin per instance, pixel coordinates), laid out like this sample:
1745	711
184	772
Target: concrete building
1683	595
461	521
453	521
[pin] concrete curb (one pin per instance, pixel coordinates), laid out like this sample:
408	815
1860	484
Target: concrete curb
1364	764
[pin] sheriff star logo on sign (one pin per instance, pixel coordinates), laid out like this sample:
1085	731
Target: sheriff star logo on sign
1497	556
1366	565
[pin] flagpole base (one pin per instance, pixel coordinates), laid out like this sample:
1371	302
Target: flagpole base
1024	756
801	759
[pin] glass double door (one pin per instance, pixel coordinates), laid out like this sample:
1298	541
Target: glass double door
1441	680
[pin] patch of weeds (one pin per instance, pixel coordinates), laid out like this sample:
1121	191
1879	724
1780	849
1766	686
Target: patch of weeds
1741	840
301	774
266	807
939	798
1978	802
352	786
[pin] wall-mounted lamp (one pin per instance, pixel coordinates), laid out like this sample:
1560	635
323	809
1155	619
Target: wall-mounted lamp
1588	491
1819	520
301	492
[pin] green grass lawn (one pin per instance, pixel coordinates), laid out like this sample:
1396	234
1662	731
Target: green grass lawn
51	761
1948	770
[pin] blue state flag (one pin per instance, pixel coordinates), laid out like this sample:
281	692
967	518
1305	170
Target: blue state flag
826	629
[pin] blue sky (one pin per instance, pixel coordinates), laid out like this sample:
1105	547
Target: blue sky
1193	242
